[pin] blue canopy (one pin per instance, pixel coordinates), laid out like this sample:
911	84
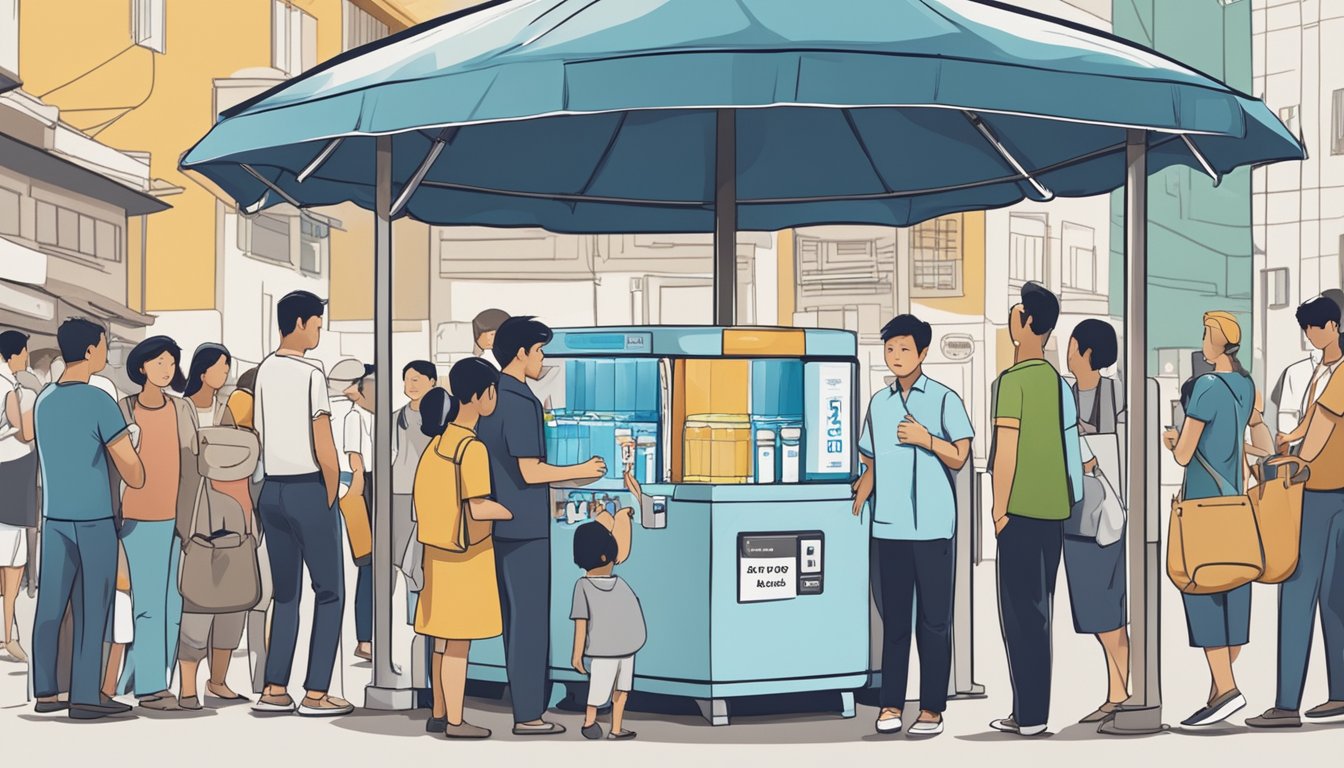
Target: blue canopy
600	115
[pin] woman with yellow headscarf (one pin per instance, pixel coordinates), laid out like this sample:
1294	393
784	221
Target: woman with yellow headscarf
1219	407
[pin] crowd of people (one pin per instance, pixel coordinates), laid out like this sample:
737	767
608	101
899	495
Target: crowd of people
177	520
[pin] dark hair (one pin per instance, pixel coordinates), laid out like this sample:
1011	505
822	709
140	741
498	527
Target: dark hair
469	378
1317	313
150	349
296	307
434	412
369	370
519	334
1099	337
909	325
75	336
487	321
248	380
594	546
1041	306
12	343
203	359
422	367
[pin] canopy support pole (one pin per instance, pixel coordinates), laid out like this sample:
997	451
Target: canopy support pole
1203	161
1045	194
1142	713
386	691
725	219
321	158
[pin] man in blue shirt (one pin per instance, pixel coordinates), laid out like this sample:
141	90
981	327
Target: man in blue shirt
515	437
916	435
78	427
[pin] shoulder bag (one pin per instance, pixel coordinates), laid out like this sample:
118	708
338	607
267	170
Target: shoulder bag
1277	502
220	570
1213	544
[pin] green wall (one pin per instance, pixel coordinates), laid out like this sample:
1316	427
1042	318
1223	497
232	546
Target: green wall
1199	237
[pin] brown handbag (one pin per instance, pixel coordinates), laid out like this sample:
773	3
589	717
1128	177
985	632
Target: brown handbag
1277	502
1213	544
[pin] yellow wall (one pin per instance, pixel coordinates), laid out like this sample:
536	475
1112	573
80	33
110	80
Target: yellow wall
206	39
972	300
352	267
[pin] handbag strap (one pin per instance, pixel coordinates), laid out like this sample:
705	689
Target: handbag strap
1231	490
1063	436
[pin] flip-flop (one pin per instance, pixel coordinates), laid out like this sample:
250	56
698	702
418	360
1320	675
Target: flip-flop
235	697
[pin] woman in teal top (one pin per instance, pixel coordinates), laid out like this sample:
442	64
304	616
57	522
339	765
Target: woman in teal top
1219	407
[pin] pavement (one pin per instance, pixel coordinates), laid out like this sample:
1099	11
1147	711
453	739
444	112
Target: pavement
232	735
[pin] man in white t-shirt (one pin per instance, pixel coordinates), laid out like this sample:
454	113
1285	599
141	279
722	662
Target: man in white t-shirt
292	414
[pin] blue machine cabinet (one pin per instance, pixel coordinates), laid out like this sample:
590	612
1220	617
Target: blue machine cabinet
747	589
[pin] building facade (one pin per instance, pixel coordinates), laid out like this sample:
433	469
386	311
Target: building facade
71	209
1298	207
157	74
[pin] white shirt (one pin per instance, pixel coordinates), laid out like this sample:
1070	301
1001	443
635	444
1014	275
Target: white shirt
11	447
1296	378
105	384
357	437
290	392
489	357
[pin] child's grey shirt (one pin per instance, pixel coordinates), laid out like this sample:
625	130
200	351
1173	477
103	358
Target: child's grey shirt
615	620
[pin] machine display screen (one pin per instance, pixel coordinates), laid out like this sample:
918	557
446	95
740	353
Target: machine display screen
830	394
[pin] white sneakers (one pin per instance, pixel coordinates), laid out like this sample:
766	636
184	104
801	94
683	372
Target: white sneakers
918	728
890	725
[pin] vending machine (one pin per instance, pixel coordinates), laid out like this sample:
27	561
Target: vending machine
749	564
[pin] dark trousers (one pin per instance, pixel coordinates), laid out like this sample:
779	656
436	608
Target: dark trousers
524	571
79	568
1318	581
364	580
1028	564
916	574
302	529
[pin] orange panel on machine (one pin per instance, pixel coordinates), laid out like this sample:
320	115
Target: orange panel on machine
765	342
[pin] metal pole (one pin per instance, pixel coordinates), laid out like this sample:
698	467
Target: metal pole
1143	712
725	219
383	693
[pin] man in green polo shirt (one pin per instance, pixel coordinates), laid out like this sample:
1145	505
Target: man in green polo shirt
1032	499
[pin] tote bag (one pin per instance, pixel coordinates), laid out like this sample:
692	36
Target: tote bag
1213	544
1277	502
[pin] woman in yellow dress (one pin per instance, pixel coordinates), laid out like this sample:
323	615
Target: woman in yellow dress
460	599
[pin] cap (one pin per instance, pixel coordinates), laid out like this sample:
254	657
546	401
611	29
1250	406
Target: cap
346	370
1225	322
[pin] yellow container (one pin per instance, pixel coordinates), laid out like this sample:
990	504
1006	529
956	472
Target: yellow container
717	449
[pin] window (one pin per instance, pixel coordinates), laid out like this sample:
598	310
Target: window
1288	116
1276	288
314	244
265	236
71	232
10	210
147	24
1337	124
9	36
1080	258
936	257
1028	238
360	27
293	39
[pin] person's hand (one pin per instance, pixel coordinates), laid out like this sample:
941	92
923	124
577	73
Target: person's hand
999	524
911	432
591	470
1282	442
632	485
863	488
577	663
1091	466
1169	439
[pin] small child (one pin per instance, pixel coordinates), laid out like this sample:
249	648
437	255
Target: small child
608	622
123	625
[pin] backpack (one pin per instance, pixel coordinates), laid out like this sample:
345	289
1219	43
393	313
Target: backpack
444	519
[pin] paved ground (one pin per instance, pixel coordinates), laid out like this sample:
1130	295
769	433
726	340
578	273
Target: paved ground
233	736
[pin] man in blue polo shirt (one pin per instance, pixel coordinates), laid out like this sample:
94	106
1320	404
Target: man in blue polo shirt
916	435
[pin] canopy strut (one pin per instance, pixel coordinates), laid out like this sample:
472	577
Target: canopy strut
1203	161
1045	194
271	186
423	170
321	158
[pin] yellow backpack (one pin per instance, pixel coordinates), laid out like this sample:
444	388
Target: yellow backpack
444	520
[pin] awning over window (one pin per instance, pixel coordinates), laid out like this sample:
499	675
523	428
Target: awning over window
95	306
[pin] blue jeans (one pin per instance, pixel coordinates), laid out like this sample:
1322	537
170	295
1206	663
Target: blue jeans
152	553
78	568
364	603
303	530
1319	579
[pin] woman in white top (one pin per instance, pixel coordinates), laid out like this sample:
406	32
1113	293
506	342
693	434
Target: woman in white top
18	479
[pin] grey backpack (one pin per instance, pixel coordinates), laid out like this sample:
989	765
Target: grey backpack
220	572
